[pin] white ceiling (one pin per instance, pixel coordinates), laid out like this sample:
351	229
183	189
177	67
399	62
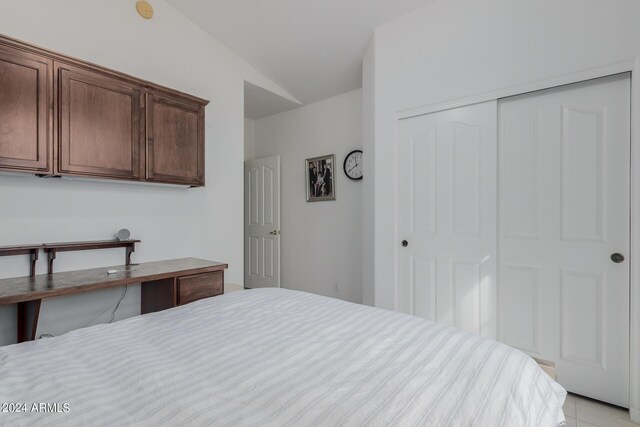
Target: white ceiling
311	48
259	102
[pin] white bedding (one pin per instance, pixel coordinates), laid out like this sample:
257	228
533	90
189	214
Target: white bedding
276	357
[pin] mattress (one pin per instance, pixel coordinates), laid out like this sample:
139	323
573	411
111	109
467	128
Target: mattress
274	357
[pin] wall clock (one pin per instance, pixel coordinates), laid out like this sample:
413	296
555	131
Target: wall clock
353	165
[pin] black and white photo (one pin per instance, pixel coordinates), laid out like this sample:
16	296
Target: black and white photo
320	178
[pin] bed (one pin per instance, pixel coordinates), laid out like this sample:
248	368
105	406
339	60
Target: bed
275	357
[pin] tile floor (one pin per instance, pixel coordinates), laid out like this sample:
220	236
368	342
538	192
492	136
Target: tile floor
583	412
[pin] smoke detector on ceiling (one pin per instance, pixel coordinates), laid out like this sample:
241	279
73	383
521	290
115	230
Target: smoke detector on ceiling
144	9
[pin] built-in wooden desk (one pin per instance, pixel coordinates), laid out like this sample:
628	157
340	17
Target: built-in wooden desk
165	284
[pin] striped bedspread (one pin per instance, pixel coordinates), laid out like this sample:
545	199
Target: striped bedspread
275	357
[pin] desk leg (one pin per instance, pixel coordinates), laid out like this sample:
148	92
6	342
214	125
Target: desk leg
158	295
28	314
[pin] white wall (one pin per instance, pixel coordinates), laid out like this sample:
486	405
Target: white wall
368	138
204	222
454	49
248	138
321	241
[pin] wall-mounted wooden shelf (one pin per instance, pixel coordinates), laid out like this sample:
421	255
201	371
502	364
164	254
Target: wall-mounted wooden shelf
53	248
31	250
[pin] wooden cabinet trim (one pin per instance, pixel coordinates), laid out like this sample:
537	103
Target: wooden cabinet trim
55	56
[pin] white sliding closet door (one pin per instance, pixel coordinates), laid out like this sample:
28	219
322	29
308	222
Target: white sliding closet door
564	214
447	217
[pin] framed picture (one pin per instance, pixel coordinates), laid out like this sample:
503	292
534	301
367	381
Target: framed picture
321	180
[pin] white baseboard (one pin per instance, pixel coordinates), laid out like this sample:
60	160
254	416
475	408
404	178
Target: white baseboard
232	287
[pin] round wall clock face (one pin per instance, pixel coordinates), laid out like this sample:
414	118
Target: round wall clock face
353	165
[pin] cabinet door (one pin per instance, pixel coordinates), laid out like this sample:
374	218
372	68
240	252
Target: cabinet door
99	124
26	94
175	140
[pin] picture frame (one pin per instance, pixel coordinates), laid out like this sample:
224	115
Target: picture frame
320	178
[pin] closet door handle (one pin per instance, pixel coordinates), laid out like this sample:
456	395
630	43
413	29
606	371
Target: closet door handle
405	243
617	258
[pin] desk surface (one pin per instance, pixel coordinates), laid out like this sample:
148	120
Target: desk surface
30	288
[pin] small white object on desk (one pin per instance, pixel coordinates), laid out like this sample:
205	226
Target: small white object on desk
123	271
123	234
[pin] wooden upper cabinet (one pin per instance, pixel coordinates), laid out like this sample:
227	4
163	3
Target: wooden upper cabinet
63	116
99	121
26	102
175	140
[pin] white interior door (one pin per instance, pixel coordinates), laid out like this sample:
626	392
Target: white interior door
564	210
447	217
262	223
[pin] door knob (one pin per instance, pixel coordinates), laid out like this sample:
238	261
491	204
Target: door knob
405	243
617	258
274	232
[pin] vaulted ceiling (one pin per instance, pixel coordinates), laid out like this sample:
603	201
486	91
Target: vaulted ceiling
312	48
